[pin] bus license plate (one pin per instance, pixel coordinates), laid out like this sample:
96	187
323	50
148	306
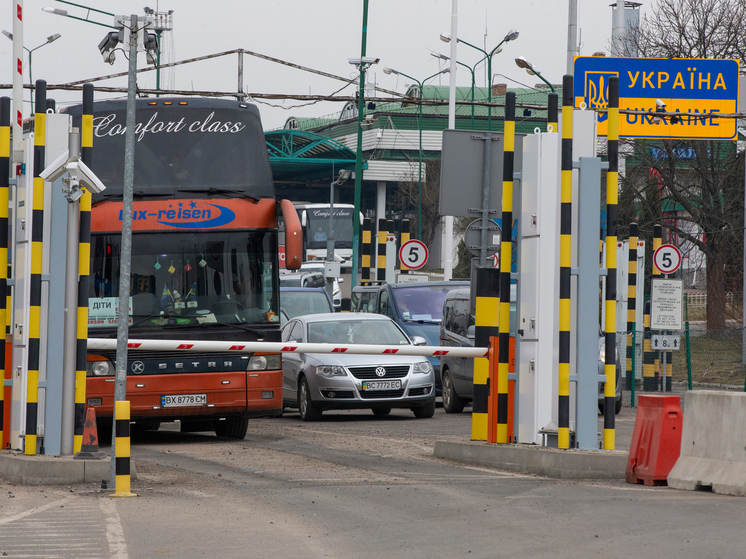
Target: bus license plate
381	385
183	400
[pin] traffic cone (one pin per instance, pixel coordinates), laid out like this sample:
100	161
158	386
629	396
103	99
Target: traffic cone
89	447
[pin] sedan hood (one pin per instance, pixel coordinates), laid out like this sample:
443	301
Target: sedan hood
361	360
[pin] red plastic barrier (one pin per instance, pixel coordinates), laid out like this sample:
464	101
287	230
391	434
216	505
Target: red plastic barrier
656	439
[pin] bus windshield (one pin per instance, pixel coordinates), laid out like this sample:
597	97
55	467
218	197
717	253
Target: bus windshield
187	278
318	227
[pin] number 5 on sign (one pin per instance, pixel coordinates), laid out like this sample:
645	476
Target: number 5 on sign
667	259
413	254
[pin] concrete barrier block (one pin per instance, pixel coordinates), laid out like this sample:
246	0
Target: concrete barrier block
713	443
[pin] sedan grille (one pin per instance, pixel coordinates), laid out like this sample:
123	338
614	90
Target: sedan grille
378	394
369	373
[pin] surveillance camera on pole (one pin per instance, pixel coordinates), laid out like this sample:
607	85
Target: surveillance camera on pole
79	174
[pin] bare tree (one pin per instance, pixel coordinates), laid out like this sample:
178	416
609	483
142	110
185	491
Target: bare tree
702	178
407	196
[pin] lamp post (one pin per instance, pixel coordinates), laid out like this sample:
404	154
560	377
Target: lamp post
511	36
471	69
523	63
50	39
419	125
63	13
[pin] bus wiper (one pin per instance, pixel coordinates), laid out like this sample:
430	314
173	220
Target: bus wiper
421	321
257	331
213	191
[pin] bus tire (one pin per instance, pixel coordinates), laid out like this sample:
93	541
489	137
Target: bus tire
234	428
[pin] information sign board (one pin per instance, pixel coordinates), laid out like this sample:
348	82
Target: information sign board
696	89
666	304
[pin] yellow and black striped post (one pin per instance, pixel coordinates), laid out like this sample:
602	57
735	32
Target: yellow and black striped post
122	449
4	190
84	267
648	356
381	260
367	251
37	239
563	390
657	241
405	236
634	231
506	247
552	113
612	195
486	317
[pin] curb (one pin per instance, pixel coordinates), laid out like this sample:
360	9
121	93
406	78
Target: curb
535	460
53	470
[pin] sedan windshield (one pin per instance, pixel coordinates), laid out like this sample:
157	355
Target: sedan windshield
423	302
376	332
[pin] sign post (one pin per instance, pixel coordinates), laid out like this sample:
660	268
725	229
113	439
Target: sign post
666	296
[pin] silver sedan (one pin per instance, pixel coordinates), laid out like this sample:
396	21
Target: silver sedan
314	382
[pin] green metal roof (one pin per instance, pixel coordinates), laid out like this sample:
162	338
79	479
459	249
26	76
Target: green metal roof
301	156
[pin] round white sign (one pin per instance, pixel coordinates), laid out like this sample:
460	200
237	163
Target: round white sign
413	254
667	259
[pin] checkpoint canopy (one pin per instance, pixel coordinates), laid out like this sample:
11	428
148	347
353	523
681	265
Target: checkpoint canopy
696	88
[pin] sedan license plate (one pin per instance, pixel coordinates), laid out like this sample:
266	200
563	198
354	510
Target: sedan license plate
381	385
183	400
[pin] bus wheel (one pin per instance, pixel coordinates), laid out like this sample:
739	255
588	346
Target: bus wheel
232	428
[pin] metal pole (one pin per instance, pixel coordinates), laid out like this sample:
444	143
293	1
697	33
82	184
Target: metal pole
71	313
572	35
359	152
17	118
158	64
448	221
419	173
125	258
31	82
487	171
240	75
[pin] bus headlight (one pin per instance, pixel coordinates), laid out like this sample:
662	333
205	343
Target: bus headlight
99	369
264	362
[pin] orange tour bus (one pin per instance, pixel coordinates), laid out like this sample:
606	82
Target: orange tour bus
204	262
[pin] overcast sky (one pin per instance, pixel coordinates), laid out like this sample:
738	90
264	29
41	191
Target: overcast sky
320	34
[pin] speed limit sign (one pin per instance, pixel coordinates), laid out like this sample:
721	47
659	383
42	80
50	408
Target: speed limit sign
667	259
413	254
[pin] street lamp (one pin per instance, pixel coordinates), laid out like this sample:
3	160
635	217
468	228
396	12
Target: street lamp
471	69
523	63
512	35
63	13
50	39
419	125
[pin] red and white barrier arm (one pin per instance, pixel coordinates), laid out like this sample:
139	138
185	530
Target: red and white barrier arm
277	347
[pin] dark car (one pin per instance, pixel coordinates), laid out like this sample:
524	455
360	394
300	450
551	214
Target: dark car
416	307
457	373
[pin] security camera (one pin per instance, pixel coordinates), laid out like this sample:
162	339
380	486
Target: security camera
77	170
367	60
57	168
80	171
660	104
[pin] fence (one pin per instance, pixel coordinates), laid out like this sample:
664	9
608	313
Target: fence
706	359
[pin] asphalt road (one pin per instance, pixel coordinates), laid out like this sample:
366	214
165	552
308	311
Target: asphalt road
352	485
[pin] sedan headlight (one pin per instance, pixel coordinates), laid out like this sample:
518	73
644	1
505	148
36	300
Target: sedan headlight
330	371
264	362
423	367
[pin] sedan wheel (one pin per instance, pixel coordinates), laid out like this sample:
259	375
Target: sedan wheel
308	411
424	412
452	403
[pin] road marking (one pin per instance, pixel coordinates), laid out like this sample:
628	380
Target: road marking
114	531
21	515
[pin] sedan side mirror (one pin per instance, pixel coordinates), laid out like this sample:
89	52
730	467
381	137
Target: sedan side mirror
419	340
470	332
